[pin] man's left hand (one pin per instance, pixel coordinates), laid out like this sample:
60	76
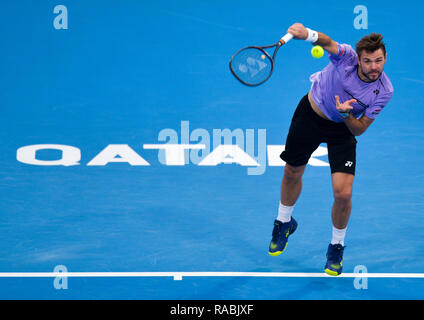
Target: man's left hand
345	107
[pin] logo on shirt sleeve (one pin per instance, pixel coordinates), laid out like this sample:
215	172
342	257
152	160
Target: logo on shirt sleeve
376	111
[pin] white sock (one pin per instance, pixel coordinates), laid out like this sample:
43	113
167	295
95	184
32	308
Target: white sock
338	236
284	213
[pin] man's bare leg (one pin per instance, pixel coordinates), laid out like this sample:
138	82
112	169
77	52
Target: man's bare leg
342	190
291	184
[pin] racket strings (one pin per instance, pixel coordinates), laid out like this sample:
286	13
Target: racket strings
251	66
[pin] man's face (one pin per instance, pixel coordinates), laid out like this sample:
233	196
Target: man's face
371	64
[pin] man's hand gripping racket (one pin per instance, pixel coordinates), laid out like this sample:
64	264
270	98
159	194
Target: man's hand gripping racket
253	65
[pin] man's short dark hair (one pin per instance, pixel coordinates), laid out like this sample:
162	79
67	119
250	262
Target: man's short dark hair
370	43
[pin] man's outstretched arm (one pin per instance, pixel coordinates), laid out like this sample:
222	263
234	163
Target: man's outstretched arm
299	31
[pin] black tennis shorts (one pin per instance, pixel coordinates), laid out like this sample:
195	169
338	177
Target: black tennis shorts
308	130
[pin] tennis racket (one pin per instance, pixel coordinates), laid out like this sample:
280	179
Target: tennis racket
253	65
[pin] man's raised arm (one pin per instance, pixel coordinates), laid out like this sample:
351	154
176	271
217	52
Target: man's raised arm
299	31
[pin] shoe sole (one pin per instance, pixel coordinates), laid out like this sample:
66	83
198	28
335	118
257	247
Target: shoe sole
277	253
332	273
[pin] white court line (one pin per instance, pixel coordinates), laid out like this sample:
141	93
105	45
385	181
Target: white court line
180	275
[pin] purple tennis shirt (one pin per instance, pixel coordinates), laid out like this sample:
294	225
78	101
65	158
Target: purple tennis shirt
340	78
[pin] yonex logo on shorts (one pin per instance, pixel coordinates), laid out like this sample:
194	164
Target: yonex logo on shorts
348	163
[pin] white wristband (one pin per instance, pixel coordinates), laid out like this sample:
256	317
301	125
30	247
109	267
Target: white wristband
312	35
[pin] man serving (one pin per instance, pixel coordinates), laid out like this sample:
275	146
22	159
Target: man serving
344	100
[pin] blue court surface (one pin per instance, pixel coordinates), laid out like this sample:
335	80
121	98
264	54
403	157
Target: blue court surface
111	111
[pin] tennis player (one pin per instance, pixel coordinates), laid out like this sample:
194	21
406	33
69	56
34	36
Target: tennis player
344	100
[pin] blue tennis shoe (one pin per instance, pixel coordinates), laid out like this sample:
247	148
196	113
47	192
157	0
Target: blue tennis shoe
334	265
280	235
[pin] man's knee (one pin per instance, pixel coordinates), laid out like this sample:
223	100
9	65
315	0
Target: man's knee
292	172
342	187
343	194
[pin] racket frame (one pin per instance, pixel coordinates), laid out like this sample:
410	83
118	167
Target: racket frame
286	38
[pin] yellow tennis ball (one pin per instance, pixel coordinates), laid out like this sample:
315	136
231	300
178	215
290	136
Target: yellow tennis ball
317	52
263	57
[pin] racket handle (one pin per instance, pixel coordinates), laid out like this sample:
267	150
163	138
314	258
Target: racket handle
286	38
